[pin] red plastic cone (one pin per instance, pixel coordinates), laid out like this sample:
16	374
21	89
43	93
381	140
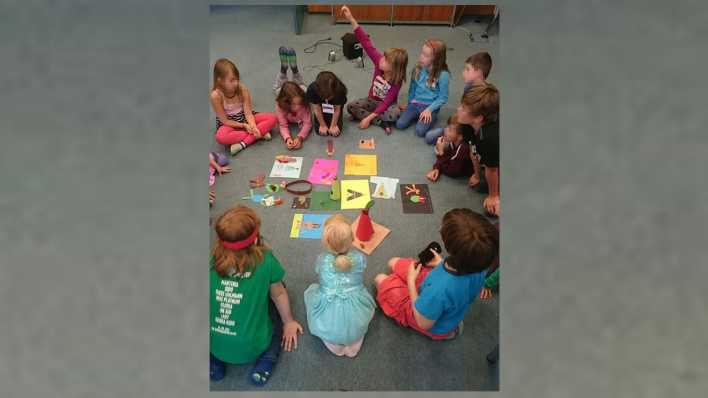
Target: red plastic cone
365	229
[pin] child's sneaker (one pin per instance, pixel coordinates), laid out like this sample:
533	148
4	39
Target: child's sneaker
297	78
267	136
279	80
236	148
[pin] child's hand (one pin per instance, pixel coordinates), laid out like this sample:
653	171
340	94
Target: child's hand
435	260
289	143
413	272
221	170
365	122
426	116
212	197
346	13
440	145
433	175
323	129
491	204
334	130
290	330
474	180
485	293
297	143
256	133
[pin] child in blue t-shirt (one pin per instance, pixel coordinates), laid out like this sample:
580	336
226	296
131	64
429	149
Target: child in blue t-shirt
436	305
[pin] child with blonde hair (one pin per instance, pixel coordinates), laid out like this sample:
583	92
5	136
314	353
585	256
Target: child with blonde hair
381	105
249	312
339	308
428	90
237	125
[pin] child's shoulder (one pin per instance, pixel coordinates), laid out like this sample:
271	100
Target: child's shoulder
216	94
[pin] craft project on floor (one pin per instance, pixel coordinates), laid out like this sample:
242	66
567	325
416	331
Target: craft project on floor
286	167
323	171
368	235
416	198
301	202
359	165
266	200
367	143
385	187
354	194
308	226
322	201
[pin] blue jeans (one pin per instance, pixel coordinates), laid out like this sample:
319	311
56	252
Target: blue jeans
411	114
432	135
217	367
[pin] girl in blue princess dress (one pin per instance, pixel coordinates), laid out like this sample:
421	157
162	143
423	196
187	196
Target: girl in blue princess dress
339	308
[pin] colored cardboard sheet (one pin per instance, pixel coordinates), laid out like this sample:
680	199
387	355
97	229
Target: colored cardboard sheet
359	165
416	198
323	171
287	170
380	232
308	226
385	187
321	201
355	194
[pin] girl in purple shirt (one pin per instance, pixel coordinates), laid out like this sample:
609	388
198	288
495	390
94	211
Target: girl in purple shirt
380	106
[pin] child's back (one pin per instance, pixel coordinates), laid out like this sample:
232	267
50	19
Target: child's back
339	308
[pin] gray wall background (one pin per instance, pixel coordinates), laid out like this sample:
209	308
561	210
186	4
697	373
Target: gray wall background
103	199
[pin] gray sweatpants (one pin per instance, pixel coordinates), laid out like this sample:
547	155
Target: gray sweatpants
363	107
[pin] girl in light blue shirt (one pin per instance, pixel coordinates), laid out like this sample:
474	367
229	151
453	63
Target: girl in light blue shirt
428	90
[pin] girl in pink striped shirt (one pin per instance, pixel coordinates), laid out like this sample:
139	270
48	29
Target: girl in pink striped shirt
291	107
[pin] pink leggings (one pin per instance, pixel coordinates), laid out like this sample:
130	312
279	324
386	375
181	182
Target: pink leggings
227	135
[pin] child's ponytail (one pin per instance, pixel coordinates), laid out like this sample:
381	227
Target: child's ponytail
342	263
338	237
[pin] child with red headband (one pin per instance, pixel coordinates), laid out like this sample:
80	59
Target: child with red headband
250	314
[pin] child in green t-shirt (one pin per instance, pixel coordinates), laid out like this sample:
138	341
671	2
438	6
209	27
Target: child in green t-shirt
244	277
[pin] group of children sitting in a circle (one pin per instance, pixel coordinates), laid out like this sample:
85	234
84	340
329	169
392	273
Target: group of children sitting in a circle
250	312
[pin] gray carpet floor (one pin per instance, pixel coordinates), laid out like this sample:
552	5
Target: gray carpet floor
392	358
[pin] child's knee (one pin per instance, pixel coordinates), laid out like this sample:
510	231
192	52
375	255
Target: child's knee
421	128
432	136
379	278
392	262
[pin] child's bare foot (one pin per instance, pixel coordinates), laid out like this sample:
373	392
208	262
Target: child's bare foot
474	180
433	175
